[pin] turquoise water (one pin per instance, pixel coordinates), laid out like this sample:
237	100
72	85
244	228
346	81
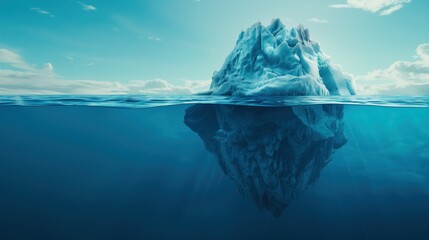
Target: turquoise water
133	167
147	101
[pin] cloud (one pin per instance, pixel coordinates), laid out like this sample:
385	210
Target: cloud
48	67
401	77
156	39
391	10
136	28
41	11
381	7
87	7
19	77
13	59
70	59
156	86
318	20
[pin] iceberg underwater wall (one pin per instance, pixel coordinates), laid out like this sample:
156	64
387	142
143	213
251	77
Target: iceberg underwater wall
273	153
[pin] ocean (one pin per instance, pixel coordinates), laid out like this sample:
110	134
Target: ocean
201	167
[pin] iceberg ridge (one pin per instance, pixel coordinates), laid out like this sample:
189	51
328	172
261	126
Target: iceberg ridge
275	61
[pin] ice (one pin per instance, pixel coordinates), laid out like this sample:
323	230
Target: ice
276	61
272	154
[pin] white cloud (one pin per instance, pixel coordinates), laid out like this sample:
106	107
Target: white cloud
41	11
135	28
156	86
318	20
13	59
19	77
48	67
87	7
423	52
390	10
381	7
70	59
198	86
401	77
157	39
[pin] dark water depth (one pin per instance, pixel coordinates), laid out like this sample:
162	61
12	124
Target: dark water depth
214	171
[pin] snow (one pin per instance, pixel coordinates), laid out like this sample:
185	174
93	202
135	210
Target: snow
275	61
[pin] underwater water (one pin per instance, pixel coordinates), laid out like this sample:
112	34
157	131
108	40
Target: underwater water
198	167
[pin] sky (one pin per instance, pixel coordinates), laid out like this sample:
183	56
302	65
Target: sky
174	46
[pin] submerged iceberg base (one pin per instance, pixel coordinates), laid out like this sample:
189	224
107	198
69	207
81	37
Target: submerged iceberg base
272	154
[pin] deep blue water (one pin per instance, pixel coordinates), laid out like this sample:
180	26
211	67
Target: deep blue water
69	170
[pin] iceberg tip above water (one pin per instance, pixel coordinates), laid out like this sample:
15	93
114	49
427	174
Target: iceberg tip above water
276	61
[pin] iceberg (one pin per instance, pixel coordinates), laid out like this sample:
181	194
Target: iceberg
276	61
273	153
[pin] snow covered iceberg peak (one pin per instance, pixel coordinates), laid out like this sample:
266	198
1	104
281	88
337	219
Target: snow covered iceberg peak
275	61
